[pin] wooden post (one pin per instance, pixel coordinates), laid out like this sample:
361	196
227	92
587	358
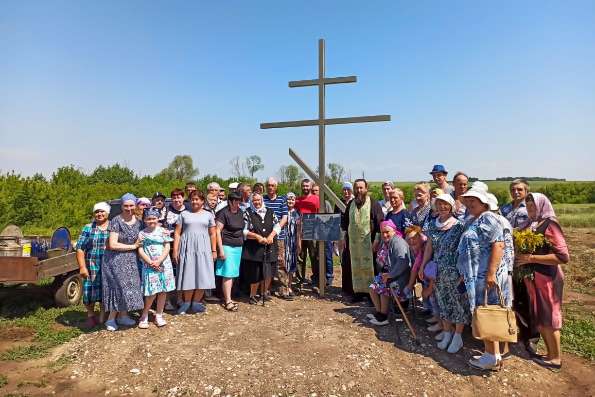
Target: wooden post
322	122
321	163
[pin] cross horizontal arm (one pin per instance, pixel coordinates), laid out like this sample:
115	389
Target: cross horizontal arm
340	120
326	81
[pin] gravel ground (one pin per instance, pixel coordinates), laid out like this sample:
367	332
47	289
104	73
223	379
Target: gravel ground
311	346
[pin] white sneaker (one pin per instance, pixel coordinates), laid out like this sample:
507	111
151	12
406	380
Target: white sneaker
184	307
159	320
376	322
443	344
435	327
455	344
126	321
111	325
486	362
439	336
143	323
370	316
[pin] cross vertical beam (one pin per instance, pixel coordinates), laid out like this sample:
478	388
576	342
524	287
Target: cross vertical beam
321	122
321	161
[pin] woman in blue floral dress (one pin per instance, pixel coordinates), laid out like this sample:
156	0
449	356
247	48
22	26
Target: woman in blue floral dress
292	240
157	272
482	264
120	276
90	248
444	233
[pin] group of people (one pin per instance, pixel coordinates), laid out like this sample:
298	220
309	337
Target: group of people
453	239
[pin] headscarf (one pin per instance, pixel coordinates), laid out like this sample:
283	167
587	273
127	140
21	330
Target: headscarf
262	210
447	224
152	212
391	224
128	197
143	200
102	206
545	210
290	195
347	185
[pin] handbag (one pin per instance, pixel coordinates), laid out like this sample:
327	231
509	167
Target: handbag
496	323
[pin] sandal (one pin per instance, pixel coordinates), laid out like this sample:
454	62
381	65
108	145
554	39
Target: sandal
230	306
547	364
253	300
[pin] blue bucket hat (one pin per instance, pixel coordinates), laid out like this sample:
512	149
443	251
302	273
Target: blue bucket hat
438	168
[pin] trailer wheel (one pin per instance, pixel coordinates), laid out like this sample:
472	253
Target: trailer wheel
69	290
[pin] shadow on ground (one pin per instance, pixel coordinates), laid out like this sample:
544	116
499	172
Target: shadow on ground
401	337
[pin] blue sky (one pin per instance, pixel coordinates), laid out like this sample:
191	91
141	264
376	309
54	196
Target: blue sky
491	88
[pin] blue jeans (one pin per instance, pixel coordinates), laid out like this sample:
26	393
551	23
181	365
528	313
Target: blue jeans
328	255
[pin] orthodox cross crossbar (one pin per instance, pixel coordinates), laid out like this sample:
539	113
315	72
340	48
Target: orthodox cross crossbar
322	122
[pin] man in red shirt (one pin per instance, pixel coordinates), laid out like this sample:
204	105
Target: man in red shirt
307	203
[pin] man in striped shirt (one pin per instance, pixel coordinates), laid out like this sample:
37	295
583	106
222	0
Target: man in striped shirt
278	204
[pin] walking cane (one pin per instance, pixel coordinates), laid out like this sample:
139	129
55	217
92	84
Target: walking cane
265	260
396	298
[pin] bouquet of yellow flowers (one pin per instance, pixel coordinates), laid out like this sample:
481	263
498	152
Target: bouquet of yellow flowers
526	242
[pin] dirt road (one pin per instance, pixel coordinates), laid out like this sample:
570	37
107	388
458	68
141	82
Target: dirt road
308	347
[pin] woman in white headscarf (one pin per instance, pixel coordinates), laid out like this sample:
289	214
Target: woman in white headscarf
90	248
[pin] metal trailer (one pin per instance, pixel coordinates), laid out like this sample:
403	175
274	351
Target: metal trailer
67	286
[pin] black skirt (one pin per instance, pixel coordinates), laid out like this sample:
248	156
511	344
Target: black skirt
257	271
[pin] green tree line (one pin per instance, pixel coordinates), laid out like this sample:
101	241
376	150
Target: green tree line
40	205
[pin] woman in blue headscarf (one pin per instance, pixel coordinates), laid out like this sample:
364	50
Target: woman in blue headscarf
121	280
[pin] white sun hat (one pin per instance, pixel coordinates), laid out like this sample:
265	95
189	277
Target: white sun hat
447	198
479	185
493	202
478	194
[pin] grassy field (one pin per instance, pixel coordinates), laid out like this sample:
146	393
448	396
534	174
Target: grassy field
578	333
576	215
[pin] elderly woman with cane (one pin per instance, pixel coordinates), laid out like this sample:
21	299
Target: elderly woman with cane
394	261
259	254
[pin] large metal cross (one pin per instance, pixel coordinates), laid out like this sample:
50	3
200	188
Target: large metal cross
321	122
